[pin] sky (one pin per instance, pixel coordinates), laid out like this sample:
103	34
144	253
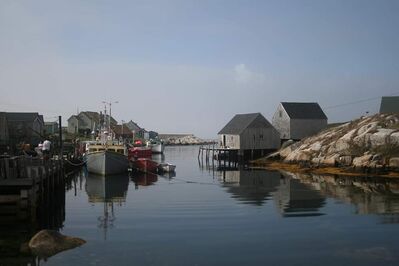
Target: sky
177	66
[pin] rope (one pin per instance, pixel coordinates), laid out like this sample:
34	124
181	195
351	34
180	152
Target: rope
76	164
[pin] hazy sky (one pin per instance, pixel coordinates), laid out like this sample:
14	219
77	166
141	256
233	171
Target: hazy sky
190	66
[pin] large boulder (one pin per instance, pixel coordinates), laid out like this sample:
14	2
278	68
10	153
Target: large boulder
394	162
362	161
47	243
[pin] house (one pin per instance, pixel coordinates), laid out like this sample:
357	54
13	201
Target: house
389	104
86	122
133	126
121	131
4	136
50	128
298	120
25	127
249	133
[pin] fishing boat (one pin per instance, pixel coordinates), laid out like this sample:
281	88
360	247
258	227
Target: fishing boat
105	155
144	165
139	152
103	159
157	146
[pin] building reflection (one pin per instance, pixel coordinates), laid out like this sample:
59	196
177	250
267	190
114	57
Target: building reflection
369	195
292	197
108	190
250	187
296	199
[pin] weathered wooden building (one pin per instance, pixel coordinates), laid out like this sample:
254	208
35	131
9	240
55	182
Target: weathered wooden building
4	137
389	105
298	120
25	127
86	122
249	133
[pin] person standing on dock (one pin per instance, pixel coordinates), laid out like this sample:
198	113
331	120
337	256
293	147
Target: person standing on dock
46	148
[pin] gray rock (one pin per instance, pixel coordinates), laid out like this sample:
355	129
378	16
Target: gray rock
47	243
362	161
345	160
394	162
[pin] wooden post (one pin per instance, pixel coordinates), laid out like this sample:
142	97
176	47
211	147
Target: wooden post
60	137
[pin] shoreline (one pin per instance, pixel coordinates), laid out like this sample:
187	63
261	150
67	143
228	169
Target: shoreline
322	170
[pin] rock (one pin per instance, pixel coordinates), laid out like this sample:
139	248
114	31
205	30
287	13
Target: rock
287	143
345	160
394	162
394	138
381	137
47	243
331	161
362	161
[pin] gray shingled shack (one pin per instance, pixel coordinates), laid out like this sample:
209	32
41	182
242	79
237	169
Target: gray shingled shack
389	105
249	132
298	120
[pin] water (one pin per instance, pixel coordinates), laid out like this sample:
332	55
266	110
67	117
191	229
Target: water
202	217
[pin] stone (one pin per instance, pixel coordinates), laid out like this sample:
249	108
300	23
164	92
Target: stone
331	160
47	243
345	160
394	162
362	161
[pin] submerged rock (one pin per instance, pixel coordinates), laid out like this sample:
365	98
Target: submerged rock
47	243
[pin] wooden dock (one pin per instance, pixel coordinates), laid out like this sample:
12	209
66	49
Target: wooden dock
30	188
219	157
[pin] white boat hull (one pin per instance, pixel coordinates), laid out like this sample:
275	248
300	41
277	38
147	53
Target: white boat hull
106	163
157	148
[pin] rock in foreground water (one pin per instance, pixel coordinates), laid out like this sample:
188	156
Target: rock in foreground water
47	243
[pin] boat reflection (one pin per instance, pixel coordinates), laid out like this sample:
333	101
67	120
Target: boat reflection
143	179
108	190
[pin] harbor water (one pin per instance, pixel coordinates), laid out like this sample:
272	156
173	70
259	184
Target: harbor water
201	216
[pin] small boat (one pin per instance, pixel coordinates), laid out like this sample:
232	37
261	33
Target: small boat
167	167
144	165
157	146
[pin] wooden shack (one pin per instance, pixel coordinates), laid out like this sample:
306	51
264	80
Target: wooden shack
389	105
4	137
249	134
296	121
25	127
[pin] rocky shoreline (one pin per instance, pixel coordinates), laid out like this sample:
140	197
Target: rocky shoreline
369	145
186	140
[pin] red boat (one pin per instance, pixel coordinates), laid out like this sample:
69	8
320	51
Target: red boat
144	165
139	152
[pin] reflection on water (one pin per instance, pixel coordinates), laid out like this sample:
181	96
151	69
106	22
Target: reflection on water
201	216
144	179
305	194
108	190
292	198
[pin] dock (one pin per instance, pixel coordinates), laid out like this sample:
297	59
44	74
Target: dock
219	157
32	193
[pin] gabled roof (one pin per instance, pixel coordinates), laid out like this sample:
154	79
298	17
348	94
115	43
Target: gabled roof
389	104
303	110
76	117
241	122
25	117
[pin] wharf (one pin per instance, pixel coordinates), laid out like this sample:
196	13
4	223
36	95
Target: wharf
32	192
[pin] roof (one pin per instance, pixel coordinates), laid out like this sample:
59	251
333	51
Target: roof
23	117
389	104
240	122
303	110
76	117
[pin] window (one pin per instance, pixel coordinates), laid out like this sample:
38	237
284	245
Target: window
261	136
280	113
